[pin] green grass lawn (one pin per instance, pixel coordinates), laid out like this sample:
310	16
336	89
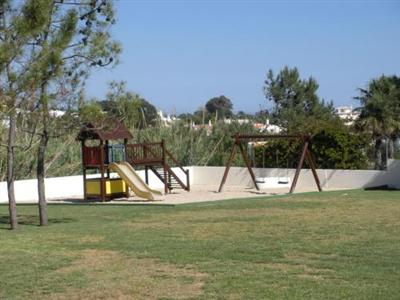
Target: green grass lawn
331	245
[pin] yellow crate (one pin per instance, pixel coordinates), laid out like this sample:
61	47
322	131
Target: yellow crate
113	186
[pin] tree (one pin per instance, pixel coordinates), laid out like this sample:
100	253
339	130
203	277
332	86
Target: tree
135	111
333	145
201	116
73	39
262	115
185	116
49	45
295	100
220	106
242	115
380	113
91	112
20	24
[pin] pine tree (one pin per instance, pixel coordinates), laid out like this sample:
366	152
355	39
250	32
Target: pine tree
74	39
20	23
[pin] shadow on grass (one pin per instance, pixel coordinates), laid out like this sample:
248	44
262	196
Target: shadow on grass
380	188
113	202
32	220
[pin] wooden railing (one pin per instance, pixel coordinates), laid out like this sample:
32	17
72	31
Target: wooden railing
153	154
177	164
144	153
92	155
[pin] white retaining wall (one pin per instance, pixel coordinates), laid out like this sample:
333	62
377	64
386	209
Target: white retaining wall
72	186
329	178
393	174
332	179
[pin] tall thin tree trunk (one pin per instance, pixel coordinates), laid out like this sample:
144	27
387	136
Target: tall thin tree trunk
391	147
40	170
12	206
40	173
378	154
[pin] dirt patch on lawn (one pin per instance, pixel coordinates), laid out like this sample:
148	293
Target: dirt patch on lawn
302	270
91	239
307	265
112	275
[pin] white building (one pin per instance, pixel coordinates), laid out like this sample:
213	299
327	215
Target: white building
240	121
262	127
347	114
56	113
166	119
268	128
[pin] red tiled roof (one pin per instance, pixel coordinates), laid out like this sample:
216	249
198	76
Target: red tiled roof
105	130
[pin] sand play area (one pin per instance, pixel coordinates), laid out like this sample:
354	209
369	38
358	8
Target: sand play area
198	193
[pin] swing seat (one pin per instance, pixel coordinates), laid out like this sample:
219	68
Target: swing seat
260	179
283	180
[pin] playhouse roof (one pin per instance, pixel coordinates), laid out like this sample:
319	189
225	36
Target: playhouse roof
105	130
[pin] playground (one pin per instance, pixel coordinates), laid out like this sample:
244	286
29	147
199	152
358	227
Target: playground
138	225
115	170
157	150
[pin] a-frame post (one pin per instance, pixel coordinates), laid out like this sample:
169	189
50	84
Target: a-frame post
313	168
305	154
246	161
299	165
228	166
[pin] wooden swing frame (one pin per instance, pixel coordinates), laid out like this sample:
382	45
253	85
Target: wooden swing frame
305	155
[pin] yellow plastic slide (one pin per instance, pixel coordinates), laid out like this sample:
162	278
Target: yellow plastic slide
133	180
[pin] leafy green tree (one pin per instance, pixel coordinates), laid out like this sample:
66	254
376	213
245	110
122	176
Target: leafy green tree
129	107
243	115
91	112
201	116
295	100
148	112
337	147
220	106
380	113
298	109
187	117
333	145
262	115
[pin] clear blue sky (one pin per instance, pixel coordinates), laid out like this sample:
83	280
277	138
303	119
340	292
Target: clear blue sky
179	54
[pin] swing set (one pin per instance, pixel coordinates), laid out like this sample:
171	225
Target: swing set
305	139
251	146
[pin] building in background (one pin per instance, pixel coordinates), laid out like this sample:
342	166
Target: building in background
347	114
166	119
